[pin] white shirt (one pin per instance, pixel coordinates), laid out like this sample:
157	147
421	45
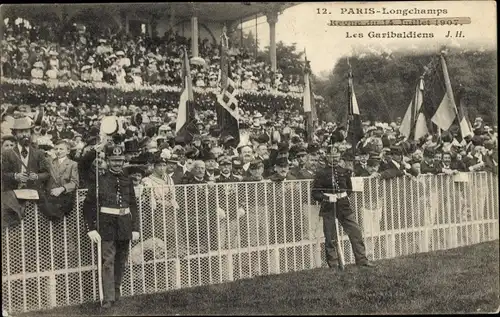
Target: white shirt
24	160
161	189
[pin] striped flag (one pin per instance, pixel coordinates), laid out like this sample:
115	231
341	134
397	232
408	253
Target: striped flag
355	130
186	123
414	124
447	110
227	104
463	121
308	103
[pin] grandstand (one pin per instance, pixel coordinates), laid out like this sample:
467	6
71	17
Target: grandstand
198	20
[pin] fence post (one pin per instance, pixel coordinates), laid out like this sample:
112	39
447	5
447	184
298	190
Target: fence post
318	253
52	290
177	273
275	260
230	269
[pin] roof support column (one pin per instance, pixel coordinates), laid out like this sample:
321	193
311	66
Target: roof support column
272	18
124	20
194	35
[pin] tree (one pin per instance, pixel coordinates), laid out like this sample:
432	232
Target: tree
247	41
384	84
289	61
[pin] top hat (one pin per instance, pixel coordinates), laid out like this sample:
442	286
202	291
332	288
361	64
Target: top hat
131	146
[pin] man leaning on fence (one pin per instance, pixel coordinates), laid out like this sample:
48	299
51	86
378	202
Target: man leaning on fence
24	167
110	212
334	179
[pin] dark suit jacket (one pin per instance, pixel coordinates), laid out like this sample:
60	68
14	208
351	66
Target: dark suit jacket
434	168
11	164
359	171
458	166
390	170
178	175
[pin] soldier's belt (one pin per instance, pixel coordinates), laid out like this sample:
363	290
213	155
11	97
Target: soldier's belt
115	211
337	196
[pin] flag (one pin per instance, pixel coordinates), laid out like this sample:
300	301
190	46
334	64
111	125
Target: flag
227	104
463	121
186	124
414	123
308	103
355	130
447	109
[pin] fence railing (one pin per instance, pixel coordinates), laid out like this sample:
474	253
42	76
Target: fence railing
225	232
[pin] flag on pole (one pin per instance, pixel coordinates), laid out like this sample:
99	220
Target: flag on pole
186	123
227	105
414	124
355	130
463	121
308	103
447	110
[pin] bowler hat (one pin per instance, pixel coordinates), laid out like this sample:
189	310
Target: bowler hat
209	156
396	150
256	164
135	169
282	162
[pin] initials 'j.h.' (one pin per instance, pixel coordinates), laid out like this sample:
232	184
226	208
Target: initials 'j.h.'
457	34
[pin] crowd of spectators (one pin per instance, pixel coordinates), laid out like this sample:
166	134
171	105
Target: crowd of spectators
267	138
273	143
42	53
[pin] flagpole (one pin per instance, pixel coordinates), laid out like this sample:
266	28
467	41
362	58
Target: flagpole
350	105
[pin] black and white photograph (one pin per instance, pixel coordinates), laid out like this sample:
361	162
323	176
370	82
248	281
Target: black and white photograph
248	158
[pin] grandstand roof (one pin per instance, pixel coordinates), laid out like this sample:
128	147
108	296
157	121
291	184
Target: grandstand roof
215	11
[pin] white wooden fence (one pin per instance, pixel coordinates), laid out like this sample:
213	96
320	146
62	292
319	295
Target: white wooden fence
226	232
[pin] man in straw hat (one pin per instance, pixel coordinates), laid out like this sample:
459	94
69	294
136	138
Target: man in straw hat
111	216
331	187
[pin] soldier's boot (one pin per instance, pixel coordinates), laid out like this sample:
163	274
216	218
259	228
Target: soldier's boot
331	256
117	295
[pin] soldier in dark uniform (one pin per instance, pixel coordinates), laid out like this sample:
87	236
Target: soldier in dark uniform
112	219
361	168
227	201
225	167
334	179
299	172
256	171
238	168
282	171
211	173
429	165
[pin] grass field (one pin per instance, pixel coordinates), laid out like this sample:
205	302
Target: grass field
463	280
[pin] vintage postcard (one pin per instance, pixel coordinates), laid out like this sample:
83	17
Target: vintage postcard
233	158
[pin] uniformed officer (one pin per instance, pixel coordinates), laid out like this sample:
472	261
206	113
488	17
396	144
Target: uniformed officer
300	172
225	167
334	179
112	220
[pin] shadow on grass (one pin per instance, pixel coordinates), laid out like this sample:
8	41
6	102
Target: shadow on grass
462	280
